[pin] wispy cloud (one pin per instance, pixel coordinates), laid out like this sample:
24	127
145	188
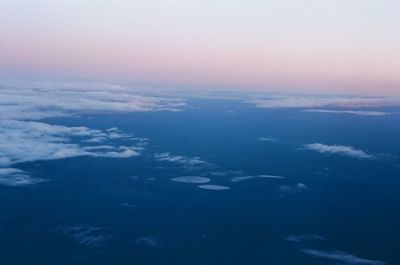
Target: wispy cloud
147	241
315	102
244	178
225	173
187	162
354	112
307	237
85	235
339	150
15	178
293	189
342	257
267	139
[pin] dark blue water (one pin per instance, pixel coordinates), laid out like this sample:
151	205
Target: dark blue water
130	212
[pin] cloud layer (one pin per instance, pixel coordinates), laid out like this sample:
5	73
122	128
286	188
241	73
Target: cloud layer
338	150
34	101
315	102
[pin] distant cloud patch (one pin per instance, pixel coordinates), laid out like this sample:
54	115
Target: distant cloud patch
338	150
353	112
244	178
225	173
301	238
187	162
191	179
267	139
293	189
213	187
15	178
147	241
85	235
342	257
317	102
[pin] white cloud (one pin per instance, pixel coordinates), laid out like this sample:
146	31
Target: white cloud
313	102
339	150
38	100
187	162
15	178
213	187
342	257
22	141
191	179
244	178
354	112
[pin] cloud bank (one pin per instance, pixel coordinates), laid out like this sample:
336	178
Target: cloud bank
338	150
39	100
22	141
315	102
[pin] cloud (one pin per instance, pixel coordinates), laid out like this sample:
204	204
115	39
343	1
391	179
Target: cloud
267	139
313	102
244	178
22	141
225	173
354	112
187	162
85	235
213	187
299	187
339	150
191	179
39	100
342	257
147	241
25	140
300	238
15	178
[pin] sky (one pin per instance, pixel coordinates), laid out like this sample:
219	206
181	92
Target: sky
305	46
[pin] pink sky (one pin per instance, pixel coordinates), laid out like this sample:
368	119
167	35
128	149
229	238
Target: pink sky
289	46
